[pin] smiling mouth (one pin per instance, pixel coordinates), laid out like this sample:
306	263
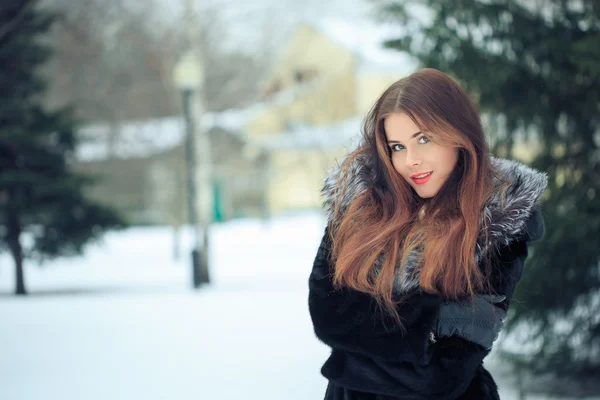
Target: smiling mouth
420	179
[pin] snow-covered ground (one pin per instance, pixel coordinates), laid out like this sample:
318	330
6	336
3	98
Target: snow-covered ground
122	322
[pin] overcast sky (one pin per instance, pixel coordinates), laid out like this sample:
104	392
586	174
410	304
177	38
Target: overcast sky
247	22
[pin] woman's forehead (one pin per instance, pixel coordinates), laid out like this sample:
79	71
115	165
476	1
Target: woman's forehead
400	126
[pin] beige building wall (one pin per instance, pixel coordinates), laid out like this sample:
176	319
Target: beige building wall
332	99
309	52
298	178
316	81
369	86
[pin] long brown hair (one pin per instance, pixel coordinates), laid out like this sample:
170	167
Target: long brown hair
384	222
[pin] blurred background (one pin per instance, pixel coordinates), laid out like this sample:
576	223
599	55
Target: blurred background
160	169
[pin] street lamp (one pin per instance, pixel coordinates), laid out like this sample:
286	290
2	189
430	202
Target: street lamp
188	76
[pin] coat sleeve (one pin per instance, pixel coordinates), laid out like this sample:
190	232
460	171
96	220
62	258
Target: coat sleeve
483	323
350	320
507	268
509	260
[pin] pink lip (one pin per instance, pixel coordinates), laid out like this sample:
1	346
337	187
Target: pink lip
420	181
419	173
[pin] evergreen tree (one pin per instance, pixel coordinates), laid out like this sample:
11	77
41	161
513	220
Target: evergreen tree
537	65
43	212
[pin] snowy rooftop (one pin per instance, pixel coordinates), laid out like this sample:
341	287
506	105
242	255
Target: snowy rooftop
137	139
365	38
341	134
145	138
134	139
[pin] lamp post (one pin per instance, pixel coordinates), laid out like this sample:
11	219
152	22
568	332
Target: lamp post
188	76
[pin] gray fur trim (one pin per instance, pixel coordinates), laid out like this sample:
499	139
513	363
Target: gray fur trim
506	218
358	179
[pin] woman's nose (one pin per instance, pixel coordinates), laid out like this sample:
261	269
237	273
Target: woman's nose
412	159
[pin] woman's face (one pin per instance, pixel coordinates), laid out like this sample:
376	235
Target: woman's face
425	165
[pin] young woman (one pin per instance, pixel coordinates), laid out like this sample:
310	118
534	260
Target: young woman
425	242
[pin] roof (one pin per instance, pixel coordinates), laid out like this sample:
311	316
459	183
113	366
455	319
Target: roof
368	45
333	136
138	139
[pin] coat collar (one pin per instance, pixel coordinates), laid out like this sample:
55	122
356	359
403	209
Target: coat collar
506	220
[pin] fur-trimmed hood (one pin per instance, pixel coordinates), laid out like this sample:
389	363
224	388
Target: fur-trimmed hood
506	220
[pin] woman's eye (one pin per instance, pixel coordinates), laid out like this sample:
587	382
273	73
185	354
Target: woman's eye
397	147
423	140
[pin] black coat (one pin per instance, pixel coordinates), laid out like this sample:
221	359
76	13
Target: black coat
372	359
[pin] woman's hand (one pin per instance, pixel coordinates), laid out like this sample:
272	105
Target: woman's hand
479	320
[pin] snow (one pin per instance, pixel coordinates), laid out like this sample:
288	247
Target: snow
149	137
341	134
122	322
374	58
133	139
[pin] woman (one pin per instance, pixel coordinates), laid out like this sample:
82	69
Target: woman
425	242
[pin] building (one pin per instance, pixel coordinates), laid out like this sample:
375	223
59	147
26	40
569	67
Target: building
269	158
141	169
316	94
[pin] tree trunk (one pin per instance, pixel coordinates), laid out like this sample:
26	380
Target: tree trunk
19	275
14	244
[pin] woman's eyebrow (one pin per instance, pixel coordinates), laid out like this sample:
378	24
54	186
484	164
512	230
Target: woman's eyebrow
414	135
